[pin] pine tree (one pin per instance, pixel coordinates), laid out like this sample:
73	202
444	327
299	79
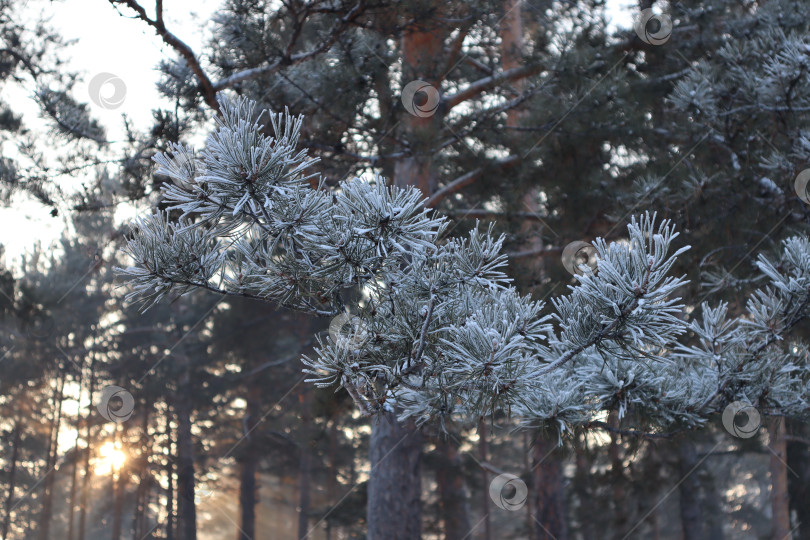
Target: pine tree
439	333
622	123
32	61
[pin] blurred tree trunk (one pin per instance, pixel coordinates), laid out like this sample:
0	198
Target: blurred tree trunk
50	464
118	482
547	508
83	499
394	486
582	488
798	458
712	500
170	491
452	494
421	48
138	510
30	521
528	458
248	467
12	476
548	490
483	456
183	408
186	508
305	466
511	32
656	529
617	474
689	491
423	56
247	498
331	487
141	471
331	483
71	500
75	468
780	528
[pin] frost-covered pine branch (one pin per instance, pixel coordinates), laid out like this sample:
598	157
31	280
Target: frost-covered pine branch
756	358
248	211
438	331
717	360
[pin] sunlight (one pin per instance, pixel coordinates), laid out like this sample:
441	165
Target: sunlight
111	458
68	438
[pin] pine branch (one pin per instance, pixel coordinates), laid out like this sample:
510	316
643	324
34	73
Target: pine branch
289	59
441	332
206	87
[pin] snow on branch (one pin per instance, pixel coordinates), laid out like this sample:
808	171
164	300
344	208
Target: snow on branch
438	331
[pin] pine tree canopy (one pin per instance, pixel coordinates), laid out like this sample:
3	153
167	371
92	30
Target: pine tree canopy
437	331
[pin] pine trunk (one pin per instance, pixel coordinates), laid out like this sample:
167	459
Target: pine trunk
248	467
713	506
528	458
170	491
394	486
798	459
304	465
75	466
83	498
142	473
483	455
118	483
656	529
421	51
50	473
582	489
84	494
331	485
780	504
187	512
138	510
12	477
689	491
247	498
452	494
548	490
118	505
621	520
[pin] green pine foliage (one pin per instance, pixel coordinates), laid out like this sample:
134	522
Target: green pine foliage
439	331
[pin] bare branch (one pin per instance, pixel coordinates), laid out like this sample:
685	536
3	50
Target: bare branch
417	358
486	83
467	179
479	65
207	89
